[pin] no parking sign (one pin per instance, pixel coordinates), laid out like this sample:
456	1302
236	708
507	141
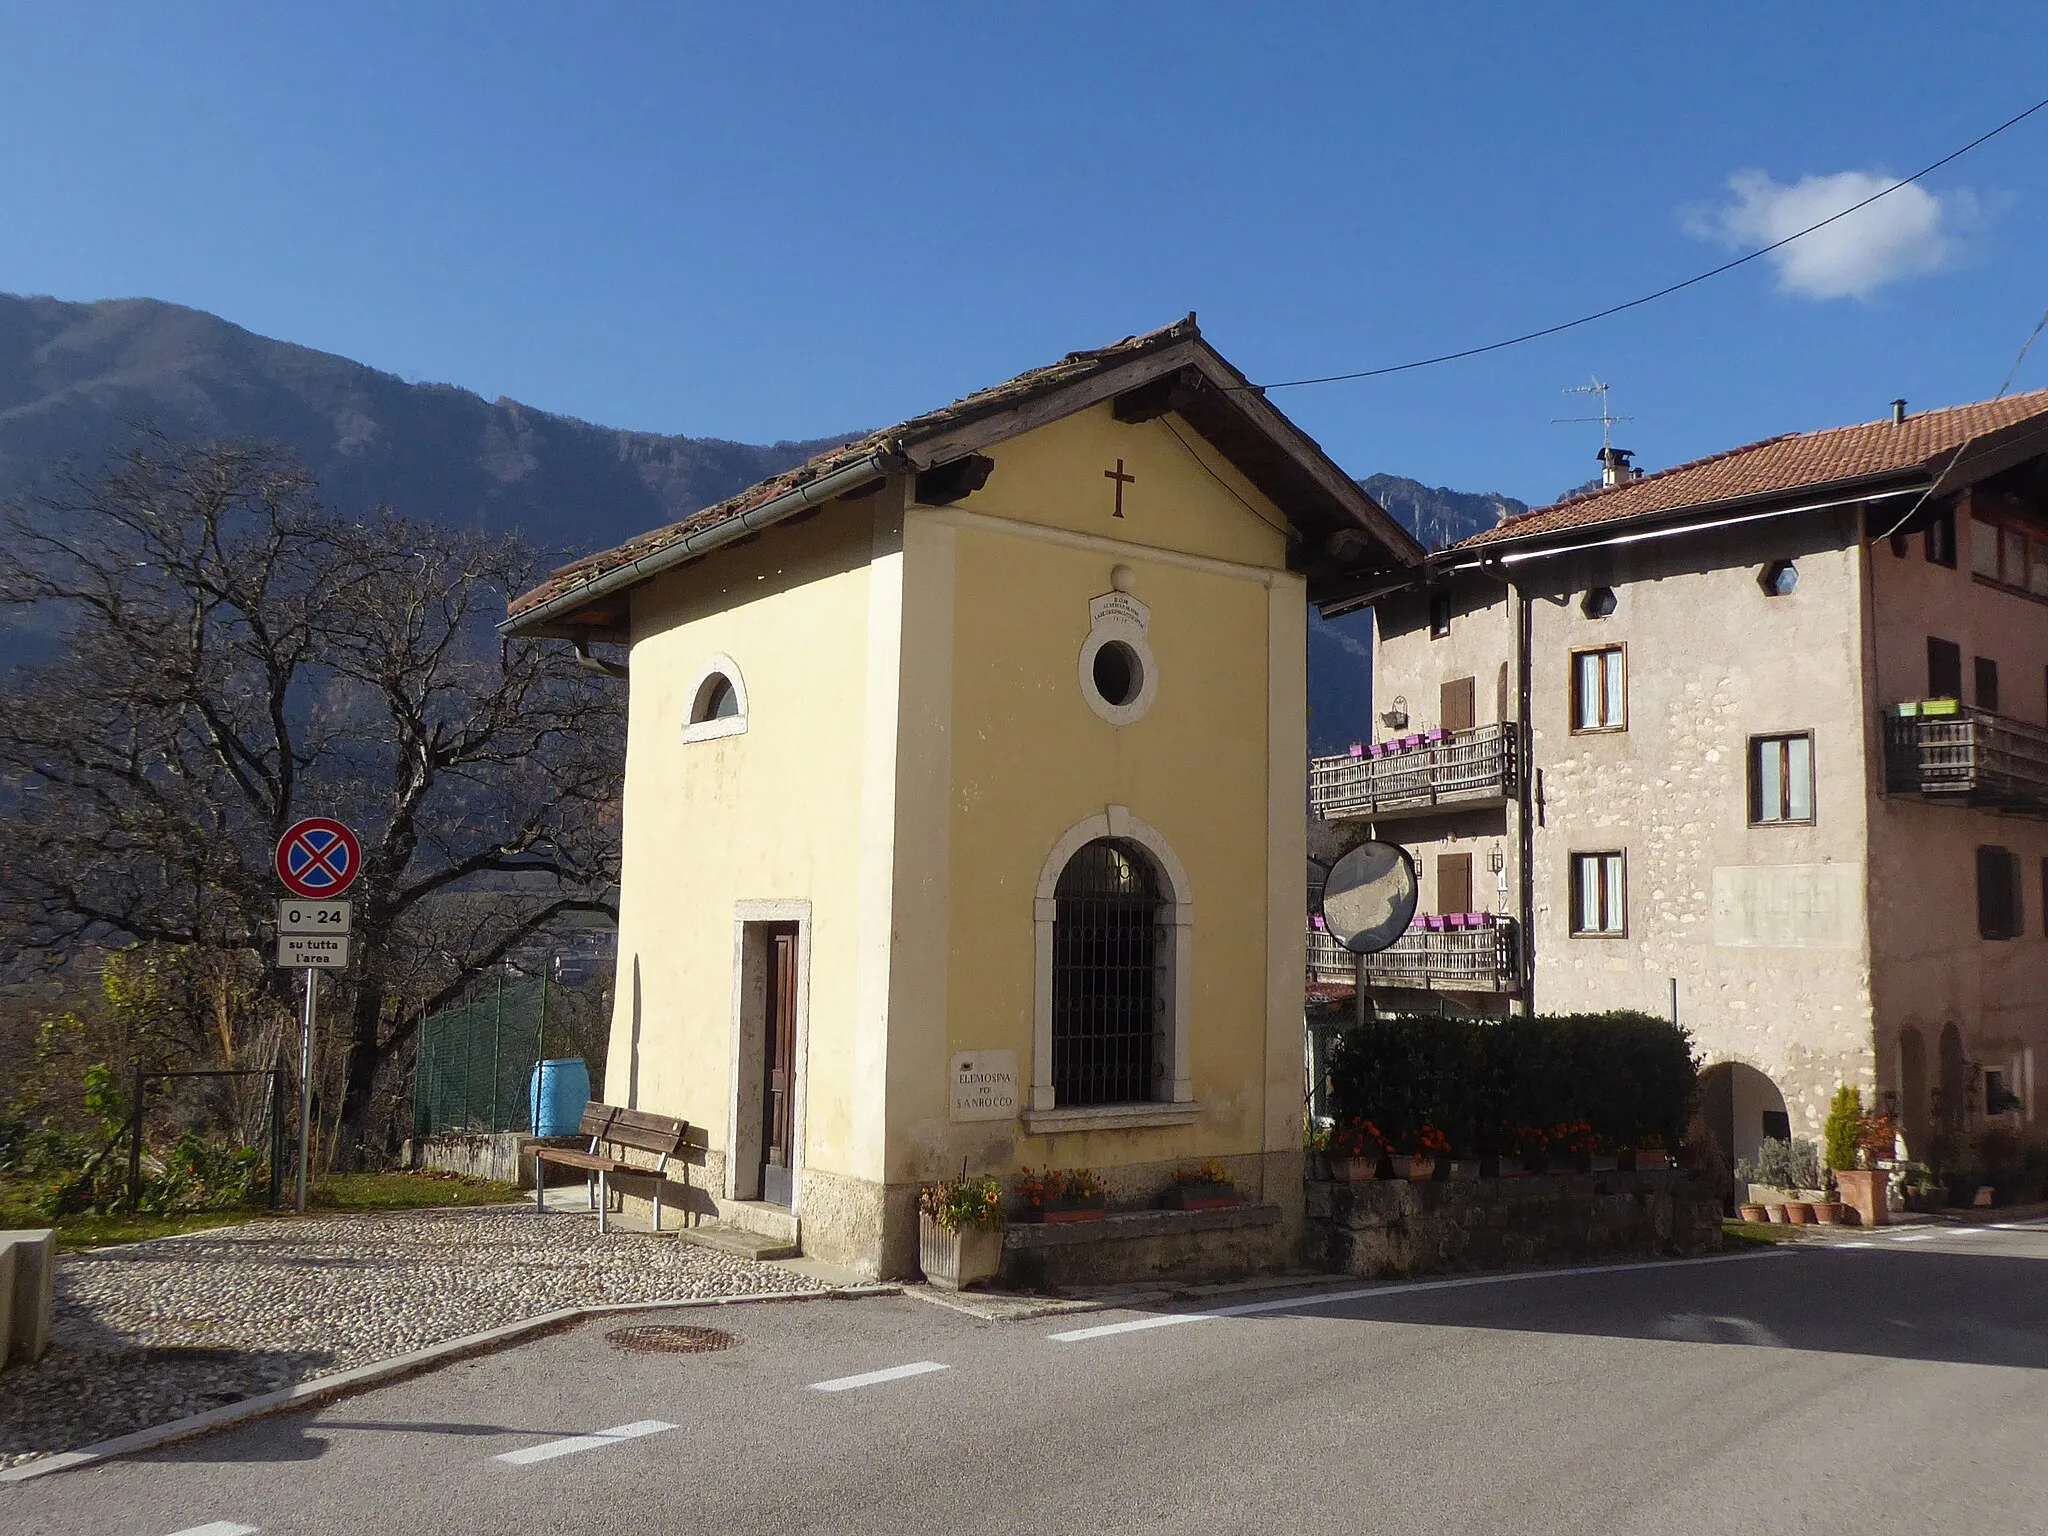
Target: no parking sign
318	858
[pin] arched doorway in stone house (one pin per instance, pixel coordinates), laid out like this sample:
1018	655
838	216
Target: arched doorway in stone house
1916	1100
1742	1106
1953	1107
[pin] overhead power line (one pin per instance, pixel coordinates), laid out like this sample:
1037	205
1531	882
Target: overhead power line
1667	291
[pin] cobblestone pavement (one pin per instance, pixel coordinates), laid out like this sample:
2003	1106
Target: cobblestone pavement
150	1332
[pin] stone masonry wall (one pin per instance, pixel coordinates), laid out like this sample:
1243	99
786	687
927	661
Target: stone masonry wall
1391	1227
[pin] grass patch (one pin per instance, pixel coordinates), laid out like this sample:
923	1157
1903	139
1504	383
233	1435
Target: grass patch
335	1193
1756	1234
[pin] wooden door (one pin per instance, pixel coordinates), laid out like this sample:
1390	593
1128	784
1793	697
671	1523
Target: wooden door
778	1095
1455	705
1454	882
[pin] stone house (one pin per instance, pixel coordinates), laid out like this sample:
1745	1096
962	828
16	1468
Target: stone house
1761	739
962	812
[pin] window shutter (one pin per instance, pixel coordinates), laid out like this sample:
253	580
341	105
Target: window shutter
1454	882
1987	684
1457	711
1997	890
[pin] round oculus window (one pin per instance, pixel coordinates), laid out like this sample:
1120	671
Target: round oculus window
1118	673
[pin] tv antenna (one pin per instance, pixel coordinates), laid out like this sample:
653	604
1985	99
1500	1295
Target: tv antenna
1606	418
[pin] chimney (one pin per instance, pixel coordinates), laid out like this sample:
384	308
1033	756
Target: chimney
1614	468
1898	413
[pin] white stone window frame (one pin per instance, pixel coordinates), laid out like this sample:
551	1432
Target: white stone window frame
1113	632
716	667
1044	1115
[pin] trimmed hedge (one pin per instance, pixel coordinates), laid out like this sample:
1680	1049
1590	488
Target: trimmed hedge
1631	1077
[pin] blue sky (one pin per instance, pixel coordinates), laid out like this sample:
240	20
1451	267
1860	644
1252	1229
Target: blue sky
785	220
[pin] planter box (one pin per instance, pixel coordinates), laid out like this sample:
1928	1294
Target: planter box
1355	1170
1422	1170
1465	1168
1649	1162
1864	1192
957	1259
1204	1196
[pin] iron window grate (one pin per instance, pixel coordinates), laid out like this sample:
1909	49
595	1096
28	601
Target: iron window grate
1106	992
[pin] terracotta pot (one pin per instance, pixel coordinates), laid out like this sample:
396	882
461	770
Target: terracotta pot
1799	1212
1424	1170
1354	1170
1829	1213
1650	1161
1864	1191
1753	1213
1775	1212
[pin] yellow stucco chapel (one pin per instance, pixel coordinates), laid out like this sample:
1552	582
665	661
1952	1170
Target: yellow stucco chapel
964	806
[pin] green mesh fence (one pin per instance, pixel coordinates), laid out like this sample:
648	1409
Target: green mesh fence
475	1062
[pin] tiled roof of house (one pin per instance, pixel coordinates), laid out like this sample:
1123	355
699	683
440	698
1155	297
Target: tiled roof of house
1798	461
1074	366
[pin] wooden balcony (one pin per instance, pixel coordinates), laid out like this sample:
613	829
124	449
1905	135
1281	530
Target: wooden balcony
1479	957
1415	775
1942	751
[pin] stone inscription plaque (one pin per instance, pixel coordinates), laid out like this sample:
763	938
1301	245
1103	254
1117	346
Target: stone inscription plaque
985	1085
1788	906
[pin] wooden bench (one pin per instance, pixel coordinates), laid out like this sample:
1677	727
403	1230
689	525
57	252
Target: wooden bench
614	1129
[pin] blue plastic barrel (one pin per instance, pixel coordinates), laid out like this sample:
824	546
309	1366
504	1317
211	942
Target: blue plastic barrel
556	1095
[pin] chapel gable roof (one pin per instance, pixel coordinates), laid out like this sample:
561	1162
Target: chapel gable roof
1342	532
1948	446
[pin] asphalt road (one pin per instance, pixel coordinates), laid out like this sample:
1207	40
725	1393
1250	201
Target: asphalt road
1899	1385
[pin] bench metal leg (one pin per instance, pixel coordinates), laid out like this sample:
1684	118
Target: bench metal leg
604	1198
657	1205
590	1187
540	1188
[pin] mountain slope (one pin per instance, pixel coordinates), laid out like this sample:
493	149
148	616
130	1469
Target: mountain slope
75	378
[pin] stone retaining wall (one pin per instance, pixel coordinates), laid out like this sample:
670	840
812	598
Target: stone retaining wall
505	1156
1185	1246
1393	1227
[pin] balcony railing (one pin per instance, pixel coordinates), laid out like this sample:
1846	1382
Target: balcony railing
1947	751
1481	955
1414	775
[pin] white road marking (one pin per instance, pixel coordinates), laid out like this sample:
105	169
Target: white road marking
1916	1237
2019	1226
1856	1244
875	1378
575	1443
217	1528
1370	1292
1965	1231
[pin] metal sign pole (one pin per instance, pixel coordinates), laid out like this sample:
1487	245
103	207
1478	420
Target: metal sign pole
306	1084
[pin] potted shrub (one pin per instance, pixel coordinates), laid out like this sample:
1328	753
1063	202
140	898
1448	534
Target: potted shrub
1524	1150
1918	1188
1204	1188
1315	1148
1357	1152
1753	1213
1649	1156
1568	1148
960	1231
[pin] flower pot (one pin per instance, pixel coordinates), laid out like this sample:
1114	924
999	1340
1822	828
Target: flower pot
1354	1170
1603	1162
955	1259
1829	1213
1775	1212
1753	1213
1464	1168
1799	1213
1864	1192
1204	1195
1424	1170
1397	1166
1650	1161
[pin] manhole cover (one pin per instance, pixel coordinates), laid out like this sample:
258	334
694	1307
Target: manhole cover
669	1339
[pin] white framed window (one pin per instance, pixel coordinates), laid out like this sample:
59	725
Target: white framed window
1600	894
1600	689
718	701
1781	780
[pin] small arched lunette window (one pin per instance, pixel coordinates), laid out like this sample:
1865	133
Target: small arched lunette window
1108	990
718	701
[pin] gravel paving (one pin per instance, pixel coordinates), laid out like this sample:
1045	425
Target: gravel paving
150	1332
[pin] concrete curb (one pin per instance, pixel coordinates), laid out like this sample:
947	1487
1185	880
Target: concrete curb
382	1372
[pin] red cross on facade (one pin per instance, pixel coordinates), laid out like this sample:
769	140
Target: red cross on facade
1121	480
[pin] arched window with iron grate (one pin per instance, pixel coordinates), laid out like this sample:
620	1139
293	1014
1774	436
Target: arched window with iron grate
1108	978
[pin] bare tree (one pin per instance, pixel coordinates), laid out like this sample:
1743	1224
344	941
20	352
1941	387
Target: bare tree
237	657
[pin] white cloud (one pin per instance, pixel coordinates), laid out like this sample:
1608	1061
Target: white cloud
1902	235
